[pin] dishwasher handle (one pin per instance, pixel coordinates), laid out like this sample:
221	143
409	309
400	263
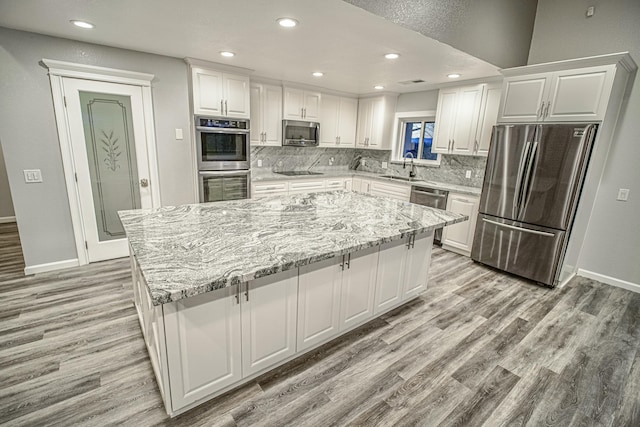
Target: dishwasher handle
442	196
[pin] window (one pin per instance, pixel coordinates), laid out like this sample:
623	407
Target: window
415	138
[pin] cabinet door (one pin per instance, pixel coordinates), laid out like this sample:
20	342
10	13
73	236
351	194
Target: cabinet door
256	102
445	120
312	105
522	98
269	312
364	122
395	191
417	268
296	187
377	123
236	95
466	122
460	235
347	122
358	287
272	115
207	92
580	95
488	118
390	276
293	103
329	128
334	184
348	184
206	358
270	188
318	302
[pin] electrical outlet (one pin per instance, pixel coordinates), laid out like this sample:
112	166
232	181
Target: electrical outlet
259	163
384	165
363	162
468	175
591	10
623	194
32	175
331	160
179	134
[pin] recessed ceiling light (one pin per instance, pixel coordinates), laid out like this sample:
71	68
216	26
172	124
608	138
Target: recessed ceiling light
379	87
287	22
453	76
227	54
392	56
318	74
82	24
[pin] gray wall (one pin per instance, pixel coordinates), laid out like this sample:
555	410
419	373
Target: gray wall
417	101
497	31
6	205
29	136
612	243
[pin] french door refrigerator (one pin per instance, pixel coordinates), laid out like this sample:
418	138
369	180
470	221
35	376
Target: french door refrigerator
529	197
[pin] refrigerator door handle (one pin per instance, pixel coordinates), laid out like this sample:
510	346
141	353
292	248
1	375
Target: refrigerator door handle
528	176
518	188
513	227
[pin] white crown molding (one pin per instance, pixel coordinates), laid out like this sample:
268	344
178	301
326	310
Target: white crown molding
92	72
194	62
623	59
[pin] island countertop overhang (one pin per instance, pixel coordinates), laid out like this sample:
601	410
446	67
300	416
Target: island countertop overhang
188	250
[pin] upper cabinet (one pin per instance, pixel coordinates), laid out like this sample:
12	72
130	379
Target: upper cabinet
222	94
301	104
338	118
464	119
561	96
266	114
375	122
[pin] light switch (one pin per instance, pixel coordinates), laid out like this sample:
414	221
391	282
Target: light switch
623	194
259	163
179	134
363	162
384	165
32	175
467	175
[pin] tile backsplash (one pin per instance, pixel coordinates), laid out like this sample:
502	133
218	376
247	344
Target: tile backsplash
452	168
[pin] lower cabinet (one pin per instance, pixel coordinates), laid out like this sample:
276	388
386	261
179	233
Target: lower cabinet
361	185
389	189
204	345
459	237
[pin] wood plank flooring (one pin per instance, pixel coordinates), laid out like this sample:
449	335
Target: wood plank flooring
477	348
11	260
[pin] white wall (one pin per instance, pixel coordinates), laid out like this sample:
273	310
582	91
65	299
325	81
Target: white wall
612	243
6	205
29	136
497	31
417	101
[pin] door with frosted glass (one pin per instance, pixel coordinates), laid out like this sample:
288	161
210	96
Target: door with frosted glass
108	140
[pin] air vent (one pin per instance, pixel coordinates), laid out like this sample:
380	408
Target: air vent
411	82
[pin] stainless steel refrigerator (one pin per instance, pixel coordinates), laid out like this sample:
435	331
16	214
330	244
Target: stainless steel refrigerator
529	197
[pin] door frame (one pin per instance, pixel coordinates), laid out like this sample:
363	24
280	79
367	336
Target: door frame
60	69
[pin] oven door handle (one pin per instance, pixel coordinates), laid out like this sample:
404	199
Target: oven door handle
225	173
222	130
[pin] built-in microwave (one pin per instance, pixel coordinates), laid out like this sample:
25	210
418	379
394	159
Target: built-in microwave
218	186
222	144
300	134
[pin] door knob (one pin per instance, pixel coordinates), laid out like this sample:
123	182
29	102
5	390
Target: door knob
144	182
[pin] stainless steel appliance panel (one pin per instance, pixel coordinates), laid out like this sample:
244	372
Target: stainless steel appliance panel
508	157
299	133
222	144
554	174
525	250
432	198
224	185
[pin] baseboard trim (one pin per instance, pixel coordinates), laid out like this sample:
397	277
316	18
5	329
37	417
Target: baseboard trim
6	219
51	266
634	287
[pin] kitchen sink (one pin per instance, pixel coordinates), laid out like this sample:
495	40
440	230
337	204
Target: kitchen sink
299	173
400	178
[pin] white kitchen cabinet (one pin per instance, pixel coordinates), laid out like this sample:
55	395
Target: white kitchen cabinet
266	114
390	277
306	186
417	265
375	122
332	184
207	358
358	287
488	118
318	302
457	117
361	185
459	237
269	188
445	120
390	189
301	104
561	96
269	316
216	93
338	121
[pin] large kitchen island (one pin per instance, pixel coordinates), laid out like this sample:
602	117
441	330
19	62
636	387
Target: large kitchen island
227	291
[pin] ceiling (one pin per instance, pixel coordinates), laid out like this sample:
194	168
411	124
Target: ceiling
343	41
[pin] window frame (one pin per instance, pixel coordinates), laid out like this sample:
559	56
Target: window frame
400	122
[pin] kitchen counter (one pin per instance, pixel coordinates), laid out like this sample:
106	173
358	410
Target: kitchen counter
259	175
188	250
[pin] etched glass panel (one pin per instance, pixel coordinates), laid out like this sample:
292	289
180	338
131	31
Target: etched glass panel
108	130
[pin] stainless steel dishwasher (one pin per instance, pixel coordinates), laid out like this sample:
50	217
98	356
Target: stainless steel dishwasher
432	198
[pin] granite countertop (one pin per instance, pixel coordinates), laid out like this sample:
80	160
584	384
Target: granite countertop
258	175
188	250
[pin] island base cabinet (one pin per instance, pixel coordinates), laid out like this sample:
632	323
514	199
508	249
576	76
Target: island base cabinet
203	345
268	321
389	280
417	268
358	288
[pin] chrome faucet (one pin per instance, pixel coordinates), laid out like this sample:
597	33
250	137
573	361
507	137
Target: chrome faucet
412	172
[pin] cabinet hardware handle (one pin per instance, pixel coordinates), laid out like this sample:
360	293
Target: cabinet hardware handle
246	293
342	263
349	260
546	110
238	294
409	242
222	107
540	109
476	147
226	109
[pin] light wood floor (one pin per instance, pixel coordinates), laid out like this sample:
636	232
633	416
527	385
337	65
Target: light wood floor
478	348
11	261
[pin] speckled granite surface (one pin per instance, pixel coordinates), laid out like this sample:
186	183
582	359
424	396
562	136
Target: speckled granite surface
192	249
